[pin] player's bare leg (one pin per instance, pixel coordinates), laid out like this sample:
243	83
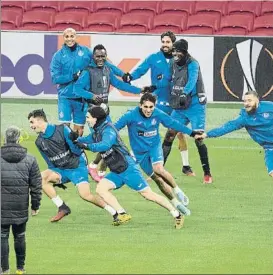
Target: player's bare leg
183	148
104	189
148	194
159	169
167	191
49	177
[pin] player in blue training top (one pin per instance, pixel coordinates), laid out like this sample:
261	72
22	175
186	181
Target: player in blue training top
143	126
124	170
65	68
257	118
93	85
159	64
66	162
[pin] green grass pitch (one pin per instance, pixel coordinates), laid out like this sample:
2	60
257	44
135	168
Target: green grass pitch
229	231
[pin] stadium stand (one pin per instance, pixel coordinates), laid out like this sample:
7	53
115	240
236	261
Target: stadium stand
185	17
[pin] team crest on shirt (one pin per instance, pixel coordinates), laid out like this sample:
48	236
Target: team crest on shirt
266	115
61	114
153	121
80	53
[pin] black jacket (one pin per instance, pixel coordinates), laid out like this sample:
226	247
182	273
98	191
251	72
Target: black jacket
20	177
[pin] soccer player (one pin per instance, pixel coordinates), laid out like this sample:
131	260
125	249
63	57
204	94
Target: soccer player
66	162
188	99
124	170
66	66
257	118
94	86
159	64
143	126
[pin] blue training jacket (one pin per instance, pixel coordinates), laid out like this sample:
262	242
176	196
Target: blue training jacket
160	71
143	131
259	125
82	85
65	63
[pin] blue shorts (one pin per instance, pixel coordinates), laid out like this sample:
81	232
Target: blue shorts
196	115
76	176
132	177
165	108
71	110
268	157
146	160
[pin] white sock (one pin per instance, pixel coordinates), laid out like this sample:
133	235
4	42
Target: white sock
110	209
185	157
174	213
175	202
121	211
177	190
57	201
92	165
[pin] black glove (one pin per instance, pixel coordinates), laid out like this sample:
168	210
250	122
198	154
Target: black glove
185	101
127	77
198	132
59	185
73	136
76	76
81	145
148	89
97	100
35	205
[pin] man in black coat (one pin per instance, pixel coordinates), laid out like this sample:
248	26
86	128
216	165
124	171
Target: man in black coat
20	179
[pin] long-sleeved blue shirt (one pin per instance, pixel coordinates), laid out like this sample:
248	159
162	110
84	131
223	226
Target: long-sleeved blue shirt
83	84
143	131
259	125
50	129
160	74
65	63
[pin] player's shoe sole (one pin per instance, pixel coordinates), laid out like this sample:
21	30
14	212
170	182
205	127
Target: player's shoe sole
61	214
179	222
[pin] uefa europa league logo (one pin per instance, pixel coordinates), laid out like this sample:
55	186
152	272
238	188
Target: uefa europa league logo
248	53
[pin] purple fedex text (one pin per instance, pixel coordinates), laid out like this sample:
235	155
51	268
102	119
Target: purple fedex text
19	71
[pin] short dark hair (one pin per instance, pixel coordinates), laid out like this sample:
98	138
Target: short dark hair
170	34
99	47
37	113
148	97
252	93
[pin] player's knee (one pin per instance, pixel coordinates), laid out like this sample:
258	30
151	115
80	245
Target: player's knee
45	177
158	168
101	188
271	174
20	236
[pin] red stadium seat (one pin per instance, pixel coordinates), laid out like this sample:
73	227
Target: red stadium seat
267	7
10	19
263	22
203	23
113	7
65	20
19	6
239	24
52	6
241	7
180	7
262	32
83	7
37	20
163	22
142	7
101	22
207	7
135	23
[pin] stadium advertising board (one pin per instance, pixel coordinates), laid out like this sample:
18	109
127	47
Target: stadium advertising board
26	57
242	64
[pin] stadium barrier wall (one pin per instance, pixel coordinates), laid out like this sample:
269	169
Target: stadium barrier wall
229	65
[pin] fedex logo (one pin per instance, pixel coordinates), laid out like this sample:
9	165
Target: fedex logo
31	72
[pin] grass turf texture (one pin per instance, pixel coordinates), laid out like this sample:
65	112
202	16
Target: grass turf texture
230	230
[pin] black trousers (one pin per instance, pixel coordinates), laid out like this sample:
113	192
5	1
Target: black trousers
19	245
